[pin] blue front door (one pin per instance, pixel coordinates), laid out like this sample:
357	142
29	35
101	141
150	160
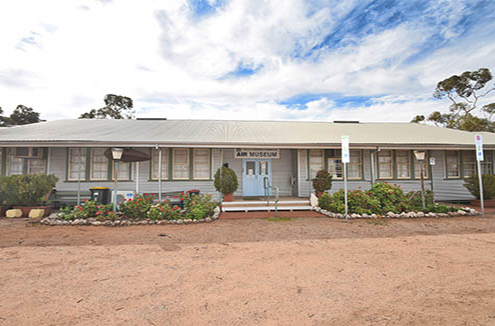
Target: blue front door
254	171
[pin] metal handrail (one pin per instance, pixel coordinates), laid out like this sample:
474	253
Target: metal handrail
267	187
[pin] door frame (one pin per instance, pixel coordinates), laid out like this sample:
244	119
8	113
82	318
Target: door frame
259	177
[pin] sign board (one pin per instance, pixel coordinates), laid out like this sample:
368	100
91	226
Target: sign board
256	153
345	150
479	147
432	161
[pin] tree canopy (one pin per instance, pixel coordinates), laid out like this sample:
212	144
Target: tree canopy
22	115
465	91
116	107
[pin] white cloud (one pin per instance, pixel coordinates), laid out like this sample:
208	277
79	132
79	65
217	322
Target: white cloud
81	50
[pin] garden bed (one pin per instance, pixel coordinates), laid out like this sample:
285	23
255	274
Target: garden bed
385	200
143	210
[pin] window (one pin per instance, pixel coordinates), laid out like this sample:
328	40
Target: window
180	169
452	164
385	164
417	167
355	166
335	166
154	163
403	164
486	164
77	164
99	164
316	162
1	160
468	163
123	170
201	163
26	160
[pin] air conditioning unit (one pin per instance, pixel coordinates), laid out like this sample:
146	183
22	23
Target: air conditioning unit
28	152
123	195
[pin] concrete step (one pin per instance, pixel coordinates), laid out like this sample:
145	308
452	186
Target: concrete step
261	203
264	208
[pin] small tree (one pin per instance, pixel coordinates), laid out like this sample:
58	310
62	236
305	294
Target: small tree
226	180
473	185
323	181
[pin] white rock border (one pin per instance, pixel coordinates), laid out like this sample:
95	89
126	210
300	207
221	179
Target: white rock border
55	219
464	211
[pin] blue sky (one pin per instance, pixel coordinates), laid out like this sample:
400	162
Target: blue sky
241	59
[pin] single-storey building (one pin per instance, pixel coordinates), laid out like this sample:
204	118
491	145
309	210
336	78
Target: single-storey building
288	153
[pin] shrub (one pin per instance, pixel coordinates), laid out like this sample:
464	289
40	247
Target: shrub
88	209
391	197
164	211
323	181
198	207
415	201
27	190
226	180
472	184
358	202
137	207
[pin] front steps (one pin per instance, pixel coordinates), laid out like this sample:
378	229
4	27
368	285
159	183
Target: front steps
258	206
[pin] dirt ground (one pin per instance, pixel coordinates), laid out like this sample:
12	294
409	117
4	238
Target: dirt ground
307	271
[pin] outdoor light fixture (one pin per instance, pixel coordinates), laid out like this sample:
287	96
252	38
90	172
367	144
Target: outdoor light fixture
420	156
117	153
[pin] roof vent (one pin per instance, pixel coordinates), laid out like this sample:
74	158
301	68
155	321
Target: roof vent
345	121
151	119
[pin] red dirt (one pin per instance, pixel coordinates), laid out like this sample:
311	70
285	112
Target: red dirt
311	271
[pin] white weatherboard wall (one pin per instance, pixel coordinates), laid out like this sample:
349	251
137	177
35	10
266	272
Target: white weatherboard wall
444	189
281	170
58	166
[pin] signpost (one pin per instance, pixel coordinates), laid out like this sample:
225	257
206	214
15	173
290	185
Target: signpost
345	160
479	158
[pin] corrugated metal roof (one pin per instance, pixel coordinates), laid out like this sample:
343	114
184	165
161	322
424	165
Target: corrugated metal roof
233	133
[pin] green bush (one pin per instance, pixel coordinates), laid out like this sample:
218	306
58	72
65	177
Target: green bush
88	209
137	207
27	190
472	184
164	211
226	180
199	206
358	202
323	181
391	197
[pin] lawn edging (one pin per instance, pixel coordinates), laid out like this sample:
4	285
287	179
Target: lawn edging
464	211
56	219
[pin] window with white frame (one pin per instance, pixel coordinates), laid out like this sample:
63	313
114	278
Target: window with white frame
335	166
385	164
77	164
452	163
403	159
1	160
26	160
154	163
180	166
417	167
98	164
201	163
355	166
316	162
123	170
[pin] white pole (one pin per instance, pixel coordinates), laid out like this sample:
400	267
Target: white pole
481	189
115	174
78	176
159	173
345	192
137	178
